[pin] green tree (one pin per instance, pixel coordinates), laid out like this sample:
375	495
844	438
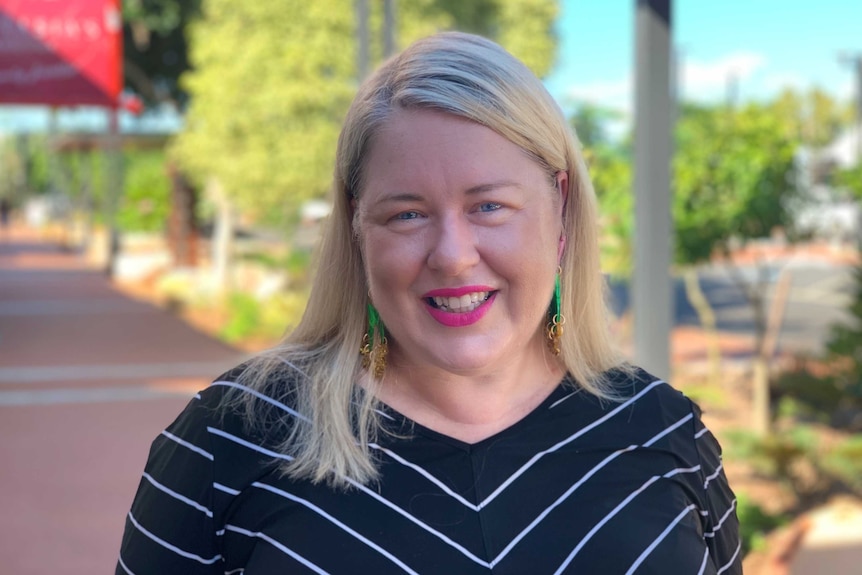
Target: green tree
733	179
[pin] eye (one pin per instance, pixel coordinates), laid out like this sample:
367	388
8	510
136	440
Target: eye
489	207
403	216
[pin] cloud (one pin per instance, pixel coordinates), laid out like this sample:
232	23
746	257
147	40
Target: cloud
708	80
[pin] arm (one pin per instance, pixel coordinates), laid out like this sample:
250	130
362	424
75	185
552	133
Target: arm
170	527
721	526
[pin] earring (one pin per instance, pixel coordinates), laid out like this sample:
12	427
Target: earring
374	345
557	320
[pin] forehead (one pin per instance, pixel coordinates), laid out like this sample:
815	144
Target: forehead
433	146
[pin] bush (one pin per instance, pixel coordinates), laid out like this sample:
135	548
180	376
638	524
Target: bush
146	201
263	321
755	524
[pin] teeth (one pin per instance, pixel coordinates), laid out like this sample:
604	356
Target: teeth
463	304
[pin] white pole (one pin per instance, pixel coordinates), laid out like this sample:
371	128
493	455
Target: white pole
652	289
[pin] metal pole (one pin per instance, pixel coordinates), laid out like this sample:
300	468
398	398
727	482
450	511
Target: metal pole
652	289
114	188
363	51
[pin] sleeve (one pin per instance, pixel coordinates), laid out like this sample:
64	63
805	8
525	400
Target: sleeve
721	526
170	527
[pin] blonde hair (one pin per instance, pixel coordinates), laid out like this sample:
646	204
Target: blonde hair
316	368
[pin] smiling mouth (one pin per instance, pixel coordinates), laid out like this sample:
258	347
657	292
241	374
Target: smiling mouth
461	304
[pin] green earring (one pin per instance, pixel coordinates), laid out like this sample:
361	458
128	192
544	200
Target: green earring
555	324
374	345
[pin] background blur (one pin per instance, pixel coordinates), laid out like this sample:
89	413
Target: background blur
136	267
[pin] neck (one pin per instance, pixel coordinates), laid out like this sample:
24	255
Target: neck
471	406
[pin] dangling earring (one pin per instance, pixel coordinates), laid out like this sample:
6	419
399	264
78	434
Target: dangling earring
557	320
374	345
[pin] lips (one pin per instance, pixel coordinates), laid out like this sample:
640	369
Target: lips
458	307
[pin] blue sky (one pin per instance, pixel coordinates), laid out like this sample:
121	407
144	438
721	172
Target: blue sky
765	44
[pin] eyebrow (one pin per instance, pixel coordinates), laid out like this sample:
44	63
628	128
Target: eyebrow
479	189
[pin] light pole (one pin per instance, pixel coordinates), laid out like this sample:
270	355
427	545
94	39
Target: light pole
652	291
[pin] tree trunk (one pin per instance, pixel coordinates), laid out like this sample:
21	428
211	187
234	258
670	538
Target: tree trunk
706	315
222	241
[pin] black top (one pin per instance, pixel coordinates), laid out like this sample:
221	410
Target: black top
577	486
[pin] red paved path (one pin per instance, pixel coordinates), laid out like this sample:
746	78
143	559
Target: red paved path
88	377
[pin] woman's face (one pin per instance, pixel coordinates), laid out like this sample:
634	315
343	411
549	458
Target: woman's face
460	233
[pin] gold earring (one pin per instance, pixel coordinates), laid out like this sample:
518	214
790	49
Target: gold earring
555	325
374	345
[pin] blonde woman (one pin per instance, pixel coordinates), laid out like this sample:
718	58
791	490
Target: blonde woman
451	401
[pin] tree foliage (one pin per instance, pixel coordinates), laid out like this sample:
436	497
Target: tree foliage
272	81
733	177
156	47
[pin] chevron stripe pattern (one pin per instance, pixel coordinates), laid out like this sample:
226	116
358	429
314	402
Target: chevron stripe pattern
577	486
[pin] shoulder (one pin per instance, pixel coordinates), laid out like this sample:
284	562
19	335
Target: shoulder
647	392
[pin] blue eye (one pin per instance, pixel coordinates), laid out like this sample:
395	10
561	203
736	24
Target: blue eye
406	216
489	207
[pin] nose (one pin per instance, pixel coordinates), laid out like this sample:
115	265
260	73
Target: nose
453	247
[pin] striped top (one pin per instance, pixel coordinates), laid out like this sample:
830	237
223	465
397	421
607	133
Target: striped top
577	486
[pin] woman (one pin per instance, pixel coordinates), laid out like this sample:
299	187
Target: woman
451	401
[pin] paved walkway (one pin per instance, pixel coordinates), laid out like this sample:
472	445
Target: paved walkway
88	377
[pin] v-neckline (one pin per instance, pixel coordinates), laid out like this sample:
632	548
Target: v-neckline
563	388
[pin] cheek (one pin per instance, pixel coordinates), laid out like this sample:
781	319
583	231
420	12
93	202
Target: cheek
390	263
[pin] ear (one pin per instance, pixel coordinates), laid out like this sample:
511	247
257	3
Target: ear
561	181
562	184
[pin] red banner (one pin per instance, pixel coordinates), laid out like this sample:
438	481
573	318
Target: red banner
61	52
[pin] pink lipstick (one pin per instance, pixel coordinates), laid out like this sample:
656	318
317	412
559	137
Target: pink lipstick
443	305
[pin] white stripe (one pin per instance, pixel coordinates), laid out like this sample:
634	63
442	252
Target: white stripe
714	475
425	474
604	520
262	397
703	564
277	545
361	487
464	551
561	400
170	546
125	567
219	533
722	520
248	444
556	503
659	539
581	481
668	430
727	565
225	488
679	470
336	522
566	441
235	571
178	496
701	433
185	443
197	396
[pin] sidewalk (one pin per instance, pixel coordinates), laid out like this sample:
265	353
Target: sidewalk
88	377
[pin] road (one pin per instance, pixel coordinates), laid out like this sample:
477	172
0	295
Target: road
819	294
